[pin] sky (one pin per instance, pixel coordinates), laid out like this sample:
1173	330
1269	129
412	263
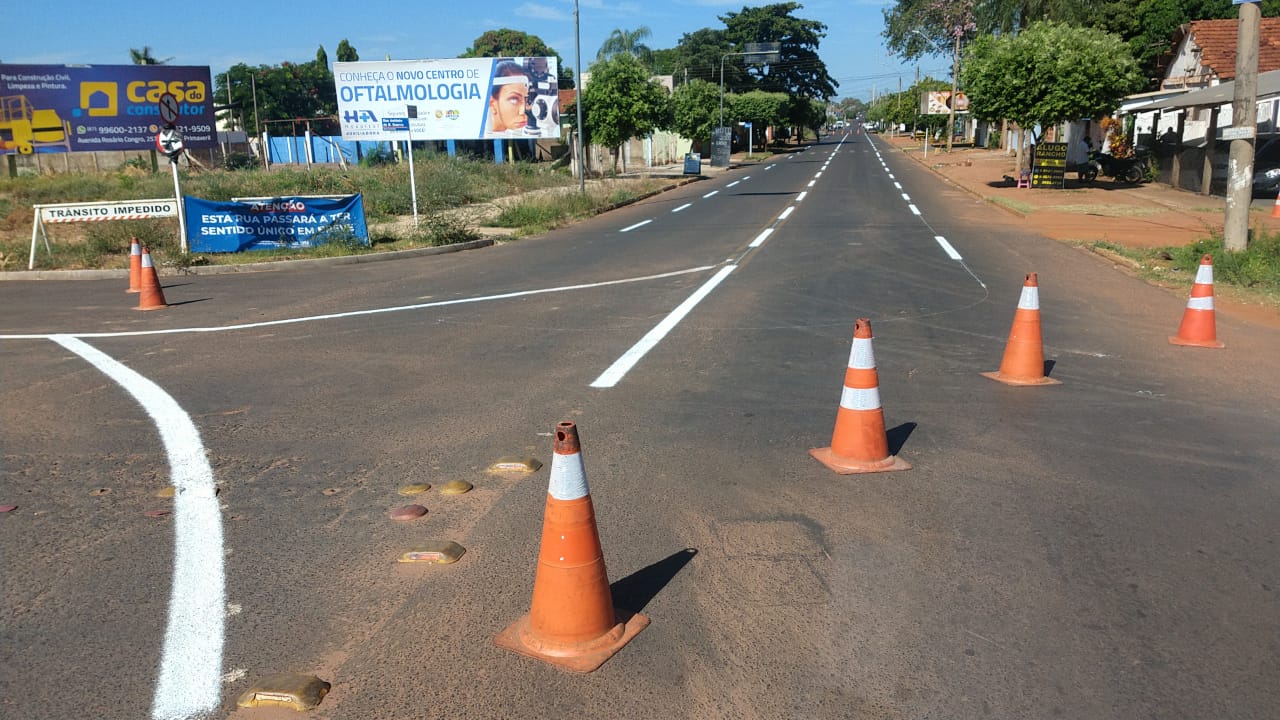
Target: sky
222	34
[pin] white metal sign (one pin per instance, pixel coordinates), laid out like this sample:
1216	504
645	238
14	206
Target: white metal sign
1237	133
95	212
454	99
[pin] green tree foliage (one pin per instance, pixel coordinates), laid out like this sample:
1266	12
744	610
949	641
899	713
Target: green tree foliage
322	57
799	72
759	108
620	102
1047	74
628	42
505	42
284	92
346	53
695	110
697	57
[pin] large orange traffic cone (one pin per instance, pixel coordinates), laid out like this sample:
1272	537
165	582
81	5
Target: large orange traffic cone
150	297
1199	327
1023	362
1275	209
135	266
571	622
859	443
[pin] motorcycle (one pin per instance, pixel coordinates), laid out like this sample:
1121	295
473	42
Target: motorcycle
1130	170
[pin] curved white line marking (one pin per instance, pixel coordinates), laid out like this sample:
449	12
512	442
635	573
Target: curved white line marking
191	659
358	313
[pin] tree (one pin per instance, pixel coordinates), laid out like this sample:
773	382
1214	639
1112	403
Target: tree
1047	74
346	53
694	110
799	71
322	57
505	42
628	42
284	92
621	102
697	57
761	109
144	57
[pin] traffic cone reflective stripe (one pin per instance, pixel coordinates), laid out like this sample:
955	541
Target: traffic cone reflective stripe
135	266
150	297
1023	361
572	622
859	443
1199	325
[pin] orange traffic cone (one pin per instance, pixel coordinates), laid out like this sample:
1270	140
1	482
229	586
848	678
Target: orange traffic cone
150	297
1199	327
859	443
135	266
571	622
1023	362
1275	209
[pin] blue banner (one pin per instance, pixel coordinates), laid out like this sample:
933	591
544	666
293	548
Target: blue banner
273	223
84	108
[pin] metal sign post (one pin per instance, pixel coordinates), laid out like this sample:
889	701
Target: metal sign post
412	112
169	141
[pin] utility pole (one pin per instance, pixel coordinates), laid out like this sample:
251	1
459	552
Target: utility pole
1244	126
955	79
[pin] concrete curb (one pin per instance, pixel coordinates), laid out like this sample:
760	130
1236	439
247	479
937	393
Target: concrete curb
279	266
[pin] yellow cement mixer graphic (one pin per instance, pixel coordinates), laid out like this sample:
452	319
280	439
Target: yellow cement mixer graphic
25	129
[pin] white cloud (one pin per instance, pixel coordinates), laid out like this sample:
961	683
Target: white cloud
538	11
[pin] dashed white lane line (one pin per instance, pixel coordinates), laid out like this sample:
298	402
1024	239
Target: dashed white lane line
629	228
914	210
946	247
623	365
906	197
682	207
735	182
189	682
787	213
897	185
764	235
713	192
812	183
801	196
746	178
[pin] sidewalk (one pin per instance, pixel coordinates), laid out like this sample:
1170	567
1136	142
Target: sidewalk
1142	216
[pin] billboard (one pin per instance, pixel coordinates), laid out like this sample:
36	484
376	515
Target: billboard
455	99
938	102
82	108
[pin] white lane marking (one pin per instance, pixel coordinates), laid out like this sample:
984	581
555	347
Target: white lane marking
914	210
946	247
817	175
375	311
735	182
764	234
812	183
770	167
713	192
891	177
801	196
682	207
623	365
787	213
898	185
629	228
906	197
746	178
191	658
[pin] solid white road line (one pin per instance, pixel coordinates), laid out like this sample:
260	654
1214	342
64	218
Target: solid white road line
623	365
191	658
629	228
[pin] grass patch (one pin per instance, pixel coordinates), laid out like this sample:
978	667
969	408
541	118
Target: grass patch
1016	206
540	213
1252	275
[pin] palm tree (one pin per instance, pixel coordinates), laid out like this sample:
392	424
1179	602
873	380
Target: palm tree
144	56
623	42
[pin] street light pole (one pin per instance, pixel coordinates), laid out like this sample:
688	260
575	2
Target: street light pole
577	50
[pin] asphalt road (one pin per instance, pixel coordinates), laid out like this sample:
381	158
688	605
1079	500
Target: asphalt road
1103	548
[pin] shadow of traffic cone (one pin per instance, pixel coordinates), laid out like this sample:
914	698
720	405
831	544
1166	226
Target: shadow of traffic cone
1023	362
150	297
135	266
1199	327
572	621
859	443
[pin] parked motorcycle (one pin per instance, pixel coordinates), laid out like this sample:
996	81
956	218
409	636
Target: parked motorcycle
1130	170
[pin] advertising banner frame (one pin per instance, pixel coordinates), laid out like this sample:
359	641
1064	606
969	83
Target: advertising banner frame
512	98
90	108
